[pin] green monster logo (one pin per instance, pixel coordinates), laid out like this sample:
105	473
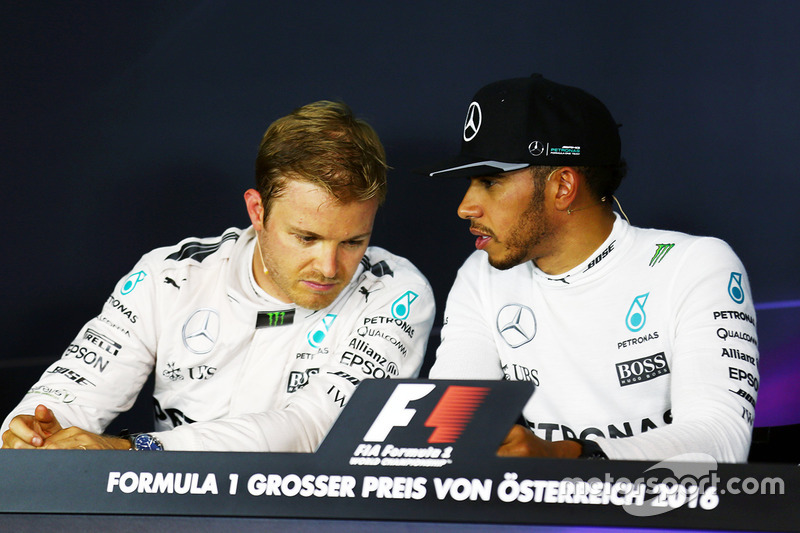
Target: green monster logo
276	319
271	319
661	251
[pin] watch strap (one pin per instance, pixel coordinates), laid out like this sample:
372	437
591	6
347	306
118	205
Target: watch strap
590	449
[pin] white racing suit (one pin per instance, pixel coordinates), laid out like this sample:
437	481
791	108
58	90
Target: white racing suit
235	369
649	346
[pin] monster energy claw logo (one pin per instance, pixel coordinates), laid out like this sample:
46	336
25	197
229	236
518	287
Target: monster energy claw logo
735	290
661	251
271	319
636	316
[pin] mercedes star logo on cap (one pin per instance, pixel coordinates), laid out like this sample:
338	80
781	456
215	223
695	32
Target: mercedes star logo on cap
473	122
536	148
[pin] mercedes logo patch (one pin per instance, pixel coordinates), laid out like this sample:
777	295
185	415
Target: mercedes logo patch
200	331
473	122
536	148
516	324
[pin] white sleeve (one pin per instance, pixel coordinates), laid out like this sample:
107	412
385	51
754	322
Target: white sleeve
302	423
101	373
467	349
714	366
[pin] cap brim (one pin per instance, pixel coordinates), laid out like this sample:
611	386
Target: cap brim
462	167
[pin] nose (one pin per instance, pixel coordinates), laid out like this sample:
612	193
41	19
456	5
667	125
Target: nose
470	207
327	260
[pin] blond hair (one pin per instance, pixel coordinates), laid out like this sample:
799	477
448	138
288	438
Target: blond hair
325	144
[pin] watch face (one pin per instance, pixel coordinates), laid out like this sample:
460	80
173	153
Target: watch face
146	442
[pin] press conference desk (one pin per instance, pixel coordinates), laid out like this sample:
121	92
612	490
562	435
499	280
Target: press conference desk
86	487
378	471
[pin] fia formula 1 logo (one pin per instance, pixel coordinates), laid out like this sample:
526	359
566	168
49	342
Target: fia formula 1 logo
427	424
449	418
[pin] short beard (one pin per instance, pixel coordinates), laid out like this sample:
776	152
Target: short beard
531	229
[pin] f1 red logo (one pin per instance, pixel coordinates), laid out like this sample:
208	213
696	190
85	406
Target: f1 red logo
449	418
453	412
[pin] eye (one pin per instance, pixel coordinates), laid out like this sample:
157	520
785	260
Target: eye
305	239
488	183
356	243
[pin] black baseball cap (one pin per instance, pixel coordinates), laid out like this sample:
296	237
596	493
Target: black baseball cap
521	122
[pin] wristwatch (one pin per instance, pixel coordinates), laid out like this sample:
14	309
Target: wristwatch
590	449
145	441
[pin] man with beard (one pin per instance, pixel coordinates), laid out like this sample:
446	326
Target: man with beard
257	338
641	343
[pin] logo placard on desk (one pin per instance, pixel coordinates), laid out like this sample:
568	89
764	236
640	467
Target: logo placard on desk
406	450
425	423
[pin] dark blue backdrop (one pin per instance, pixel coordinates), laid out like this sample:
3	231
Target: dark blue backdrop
130	125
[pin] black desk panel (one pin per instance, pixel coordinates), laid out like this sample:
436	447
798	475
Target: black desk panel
382	467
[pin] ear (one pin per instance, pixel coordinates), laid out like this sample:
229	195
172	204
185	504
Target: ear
567	181
255	209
